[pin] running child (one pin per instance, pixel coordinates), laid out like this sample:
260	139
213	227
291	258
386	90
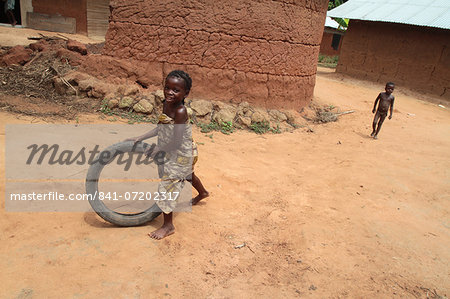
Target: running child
386	102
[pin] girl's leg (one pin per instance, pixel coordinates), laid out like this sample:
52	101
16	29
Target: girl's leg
202	193
165	230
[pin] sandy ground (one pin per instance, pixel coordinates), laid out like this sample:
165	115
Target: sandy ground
324	214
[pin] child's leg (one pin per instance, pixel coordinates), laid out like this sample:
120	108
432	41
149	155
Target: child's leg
380	123
202	193
165	230
374	123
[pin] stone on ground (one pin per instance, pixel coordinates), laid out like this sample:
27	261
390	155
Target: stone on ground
76	46
126	102
201	107
16	55
143	106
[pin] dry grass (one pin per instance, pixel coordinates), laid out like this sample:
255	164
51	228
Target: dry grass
35	79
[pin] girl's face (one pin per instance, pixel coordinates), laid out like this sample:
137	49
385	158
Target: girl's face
174	90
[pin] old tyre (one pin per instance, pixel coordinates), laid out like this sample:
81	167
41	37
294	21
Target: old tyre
98	205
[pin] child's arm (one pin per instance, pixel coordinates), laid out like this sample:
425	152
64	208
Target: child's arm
376	102
392	107
149	134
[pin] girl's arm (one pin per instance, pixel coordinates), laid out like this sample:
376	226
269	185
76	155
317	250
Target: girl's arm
149	134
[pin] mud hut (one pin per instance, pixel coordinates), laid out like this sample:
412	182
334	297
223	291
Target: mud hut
264	52
332	38
401	41
76	16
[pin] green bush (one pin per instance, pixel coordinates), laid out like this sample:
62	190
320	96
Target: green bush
328	59
260	127
226	127
206	128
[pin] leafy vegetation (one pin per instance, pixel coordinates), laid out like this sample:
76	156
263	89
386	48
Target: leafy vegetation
226	127
260	127
343	23
276	130
328	61
264	127
206	128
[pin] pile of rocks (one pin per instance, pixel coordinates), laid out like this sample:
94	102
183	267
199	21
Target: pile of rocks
141	102
123	96
241	115
134	98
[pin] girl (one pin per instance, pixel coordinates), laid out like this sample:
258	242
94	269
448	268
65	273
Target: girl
176	88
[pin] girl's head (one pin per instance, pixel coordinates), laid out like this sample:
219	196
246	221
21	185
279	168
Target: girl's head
177	86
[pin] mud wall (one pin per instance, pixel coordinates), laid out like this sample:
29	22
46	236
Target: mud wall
66	8
411	56
25	6
264	52
325	45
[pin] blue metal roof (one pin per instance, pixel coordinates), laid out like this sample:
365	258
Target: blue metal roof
431	13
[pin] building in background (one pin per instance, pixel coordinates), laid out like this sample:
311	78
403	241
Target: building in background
407	42
89	17
332	38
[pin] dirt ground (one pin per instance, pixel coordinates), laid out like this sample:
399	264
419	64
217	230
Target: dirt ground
325	214
10	37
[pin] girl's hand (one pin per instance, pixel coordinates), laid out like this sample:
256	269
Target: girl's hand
152	151
134	139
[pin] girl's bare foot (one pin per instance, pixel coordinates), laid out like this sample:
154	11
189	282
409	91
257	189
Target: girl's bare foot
199	197
162	232
202	193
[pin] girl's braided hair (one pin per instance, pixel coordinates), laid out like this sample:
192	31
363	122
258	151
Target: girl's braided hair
182	75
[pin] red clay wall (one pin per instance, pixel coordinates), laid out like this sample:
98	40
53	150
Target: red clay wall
67	8
325	45
264	52
411	56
